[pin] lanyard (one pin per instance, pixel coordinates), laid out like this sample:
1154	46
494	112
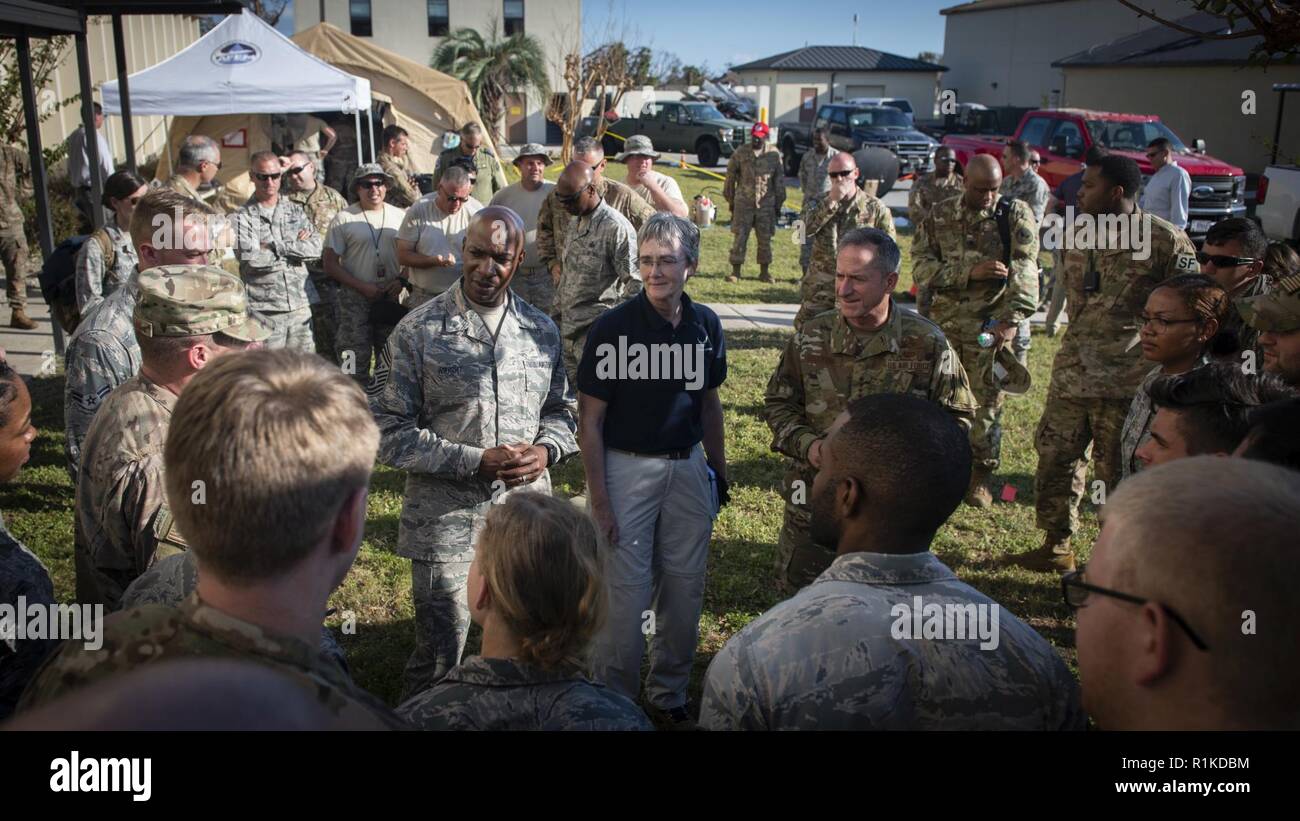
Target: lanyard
376	235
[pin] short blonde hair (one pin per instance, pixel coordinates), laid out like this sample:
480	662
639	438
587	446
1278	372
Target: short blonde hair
280	440
168	203
540	558
1213	538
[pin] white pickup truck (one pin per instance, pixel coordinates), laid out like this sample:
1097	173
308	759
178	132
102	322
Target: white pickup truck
1277	202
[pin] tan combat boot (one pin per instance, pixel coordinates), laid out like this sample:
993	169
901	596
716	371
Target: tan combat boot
21	320
978	494
763	275
1054	556
735	274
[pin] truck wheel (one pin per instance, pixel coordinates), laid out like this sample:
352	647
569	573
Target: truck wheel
878	164
791	159
707	152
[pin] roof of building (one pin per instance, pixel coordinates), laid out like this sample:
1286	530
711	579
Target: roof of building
994	5
839	58
1160	46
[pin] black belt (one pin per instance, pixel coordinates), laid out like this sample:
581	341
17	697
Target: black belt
672	454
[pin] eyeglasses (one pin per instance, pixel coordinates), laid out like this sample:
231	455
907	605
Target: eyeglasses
1222	260
1035	162
565	199
372	184
217	164
257	175
1160	323
1074	590
835	175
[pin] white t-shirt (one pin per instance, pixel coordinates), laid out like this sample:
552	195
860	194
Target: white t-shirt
667	183
1166	194
436	234
365	240
492	316
526	204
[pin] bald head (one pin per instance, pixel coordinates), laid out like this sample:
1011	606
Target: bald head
575	189
983	179
1212	540
843	161
498	228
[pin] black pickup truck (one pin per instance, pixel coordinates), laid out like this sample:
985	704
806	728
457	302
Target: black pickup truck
853	127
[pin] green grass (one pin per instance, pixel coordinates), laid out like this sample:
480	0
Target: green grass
38	509
38	505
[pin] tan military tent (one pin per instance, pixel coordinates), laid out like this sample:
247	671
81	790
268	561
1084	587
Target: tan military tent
425	102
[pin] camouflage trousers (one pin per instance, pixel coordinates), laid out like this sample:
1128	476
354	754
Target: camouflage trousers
438	590
816	296
924	299
325	319
986	427
358	338
419	296
535	286
290	329
799	560
572	350
763	223
1070	431
13	250
655	573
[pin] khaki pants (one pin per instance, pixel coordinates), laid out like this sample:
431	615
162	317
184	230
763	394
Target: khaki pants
763	222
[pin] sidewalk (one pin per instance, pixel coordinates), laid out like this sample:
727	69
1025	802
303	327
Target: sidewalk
31	353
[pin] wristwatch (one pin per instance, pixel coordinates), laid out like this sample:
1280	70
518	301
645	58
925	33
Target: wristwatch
552	453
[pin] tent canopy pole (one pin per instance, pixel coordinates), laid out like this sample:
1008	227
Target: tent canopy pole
356	116
370	123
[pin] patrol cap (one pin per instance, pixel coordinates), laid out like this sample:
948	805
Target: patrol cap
759	130
638	145
533	150
370	169
192	300
1278	310
1003	371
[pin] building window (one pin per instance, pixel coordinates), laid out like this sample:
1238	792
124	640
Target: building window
513	19
439	22
359	11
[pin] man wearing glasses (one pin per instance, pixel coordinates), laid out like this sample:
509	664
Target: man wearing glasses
432	234
1194	559
841	210
274	238
301	180
1233	256
1167	191
197	165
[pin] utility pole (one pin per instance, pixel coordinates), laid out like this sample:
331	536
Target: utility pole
855	30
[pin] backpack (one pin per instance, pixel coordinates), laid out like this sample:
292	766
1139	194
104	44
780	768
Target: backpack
58	274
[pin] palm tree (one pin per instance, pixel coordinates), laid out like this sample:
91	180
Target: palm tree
493	67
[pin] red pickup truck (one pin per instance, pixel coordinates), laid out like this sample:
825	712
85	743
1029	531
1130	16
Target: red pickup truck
1063	135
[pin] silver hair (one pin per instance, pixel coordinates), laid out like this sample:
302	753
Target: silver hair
456	176
587	145
668	228
471	129
196	149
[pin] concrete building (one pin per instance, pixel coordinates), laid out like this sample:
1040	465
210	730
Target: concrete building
1198	87
414	29
150	39
1001	52
793	84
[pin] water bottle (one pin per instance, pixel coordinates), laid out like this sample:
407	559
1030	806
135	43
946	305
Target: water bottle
986	337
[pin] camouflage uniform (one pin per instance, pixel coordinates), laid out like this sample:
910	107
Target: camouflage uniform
144	635
172	580
15	187
825	366
504	694
489	179
829	221
554	223
1029	189
276	276
401	193
102	354
926	192
181	185
815	184
370	256
94	279
321	204
532	280
951	240
755	188
599	271
1247	337
21	574
1097	369
445	391
827	659
121	523
1277	311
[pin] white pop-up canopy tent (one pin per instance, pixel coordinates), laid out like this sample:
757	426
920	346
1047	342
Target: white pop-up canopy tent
241	67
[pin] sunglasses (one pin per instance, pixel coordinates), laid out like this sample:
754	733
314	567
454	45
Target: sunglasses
835	175
297	169
265	177
565	199
1035	162
372	184
1222	260
217	164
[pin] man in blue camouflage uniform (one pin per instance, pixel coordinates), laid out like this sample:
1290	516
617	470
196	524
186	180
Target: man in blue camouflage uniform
472	401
